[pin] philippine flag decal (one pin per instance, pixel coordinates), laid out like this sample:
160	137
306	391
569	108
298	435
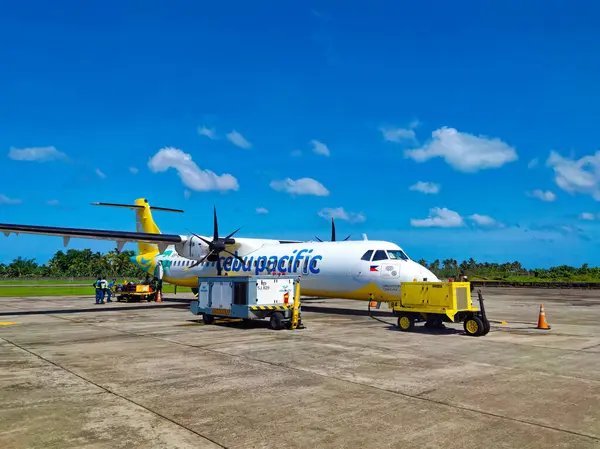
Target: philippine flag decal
374	268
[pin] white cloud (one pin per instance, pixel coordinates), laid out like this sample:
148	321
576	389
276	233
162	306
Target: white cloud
577	176
190	174
440	218
6	200
397	134
587	216
100	174
533	163
38	154
302	186
237	139
319	148
464	152
482	220
187	194
208	132
340	214
544	195
53	203
133	170
425	187
261	210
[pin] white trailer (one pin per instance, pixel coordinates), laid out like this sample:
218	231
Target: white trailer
250	298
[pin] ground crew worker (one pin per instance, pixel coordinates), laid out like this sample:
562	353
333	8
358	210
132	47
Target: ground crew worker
104	285
111	285
97	285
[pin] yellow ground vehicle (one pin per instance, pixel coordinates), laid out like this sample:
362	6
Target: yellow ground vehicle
135	292
439	302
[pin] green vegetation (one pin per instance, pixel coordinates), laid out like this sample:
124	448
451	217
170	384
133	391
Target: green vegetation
67	290
512	271
75	264
82	266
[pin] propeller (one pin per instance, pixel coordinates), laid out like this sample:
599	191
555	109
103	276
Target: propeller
332	233
217	246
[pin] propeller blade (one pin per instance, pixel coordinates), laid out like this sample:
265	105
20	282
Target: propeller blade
198	262
233	233
347	237
201	238
236	257
219	268
216	224
318	239
332	231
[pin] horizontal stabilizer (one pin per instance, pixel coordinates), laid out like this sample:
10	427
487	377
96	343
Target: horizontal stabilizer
137	206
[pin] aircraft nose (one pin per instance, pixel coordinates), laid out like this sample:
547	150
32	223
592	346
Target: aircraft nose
424	273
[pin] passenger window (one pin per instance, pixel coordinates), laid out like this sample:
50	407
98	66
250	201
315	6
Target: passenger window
367	255
380	255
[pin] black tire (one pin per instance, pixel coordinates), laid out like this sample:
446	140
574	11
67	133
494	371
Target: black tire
276	321
406	322
486	326
474	326
208	319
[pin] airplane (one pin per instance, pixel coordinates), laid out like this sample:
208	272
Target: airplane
349	269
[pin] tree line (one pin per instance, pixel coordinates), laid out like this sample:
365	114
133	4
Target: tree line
85	263
75	263
450	268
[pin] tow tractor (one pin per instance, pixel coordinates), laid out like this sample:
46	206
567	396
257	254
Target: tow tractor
436	303
250	298
134	292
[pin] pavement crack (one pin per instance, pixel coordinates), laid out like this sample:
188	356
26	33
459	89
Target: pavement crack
114	393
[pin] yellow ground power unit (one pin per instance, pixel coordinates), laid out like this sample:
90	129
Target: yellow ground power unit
438	302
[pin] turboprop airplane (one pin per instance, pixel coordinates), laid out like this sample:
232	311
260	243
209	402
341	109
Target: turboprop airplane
349	269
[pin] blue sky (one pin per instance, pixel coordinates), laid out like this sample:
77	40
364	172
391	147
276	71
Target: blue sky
454	131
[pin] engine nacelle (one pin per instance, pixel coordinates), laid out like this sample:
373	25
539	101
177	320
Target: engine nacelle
192	248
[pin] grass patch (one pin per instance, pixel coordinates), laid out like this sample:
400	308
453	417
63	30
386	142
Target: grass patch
44	282
64	291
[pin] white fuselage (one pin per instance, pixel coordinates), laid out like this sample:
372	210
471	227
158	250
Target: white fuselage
364	270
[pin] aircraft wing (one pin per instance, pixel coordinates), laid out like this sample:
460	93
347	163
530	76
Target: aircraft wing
98	234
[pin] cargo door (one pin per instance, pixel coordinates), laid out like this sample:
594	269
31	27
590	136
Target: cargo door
203	294
222	295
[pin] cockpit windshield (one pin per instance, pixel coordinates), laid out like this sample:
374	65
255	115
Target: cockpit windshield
397	254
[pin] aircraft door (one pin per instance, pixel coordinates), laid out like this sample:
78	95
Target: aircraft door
159	270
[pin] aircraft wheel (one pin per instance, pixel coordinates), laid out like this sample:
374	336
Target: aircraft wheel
208	319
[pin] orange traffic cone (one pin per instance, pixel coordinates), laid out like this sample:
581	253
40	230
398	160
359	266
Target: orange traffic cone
158	297
542	319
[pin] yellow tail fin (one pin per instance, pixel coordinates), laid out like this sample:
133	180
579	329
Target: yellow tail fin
145	223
